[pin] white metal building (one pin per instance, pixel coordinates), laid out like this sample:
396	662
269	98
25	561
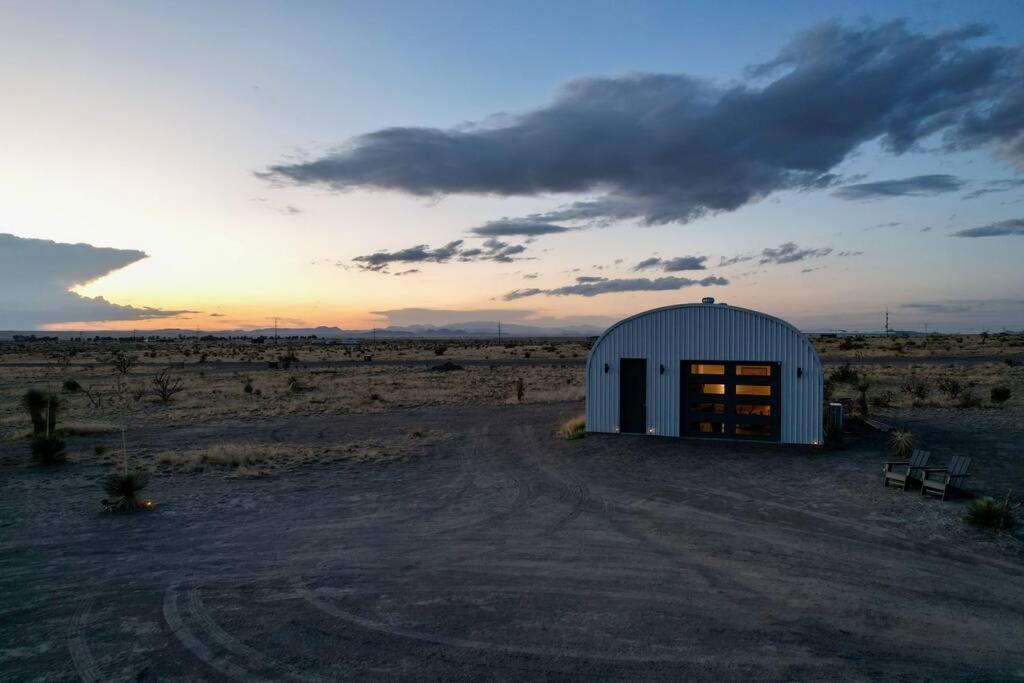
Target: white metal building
706	370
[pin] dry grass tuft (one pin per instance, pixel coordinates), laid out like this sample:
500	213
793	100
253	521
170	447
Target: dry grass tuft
573	428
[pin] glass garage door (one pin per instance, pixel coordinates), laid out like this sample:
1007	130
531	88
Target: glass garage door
734	400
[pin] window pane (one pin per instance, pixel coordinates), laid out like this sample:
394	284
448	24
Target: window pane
748	409
753	430
705	427
705	369
718	408
753	390
712	388
754	370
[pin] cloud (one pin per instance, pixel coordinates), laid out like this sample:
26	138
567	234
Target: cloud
666	148
1013	226
492	249
216	315
789	253
849	253
890	224
411	271
916	186
673	265
519	227
530	276
36	277
993	186
595	286
290	210
583	279
954	306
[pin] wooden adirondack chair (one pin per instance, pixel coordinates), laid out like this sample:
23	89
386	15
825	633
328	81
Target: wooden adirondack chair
939	480
900	472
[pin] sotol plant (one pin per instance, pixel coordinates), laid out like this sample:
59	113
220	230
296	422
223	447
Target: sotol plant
42	408
902	443
124	488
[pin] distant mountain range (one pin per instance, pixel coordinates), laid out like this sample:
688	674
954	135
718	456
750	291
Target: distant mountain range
476	330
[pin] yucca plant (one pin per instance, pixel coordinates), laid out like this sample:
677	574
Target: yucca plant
902	443
48	450
123	489
42	408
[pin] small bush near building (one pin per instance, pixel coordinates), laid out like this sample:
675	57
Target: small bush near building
574	428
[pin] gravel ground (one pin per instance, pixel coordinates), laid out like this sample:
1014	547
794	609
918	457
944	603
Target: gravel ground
499	552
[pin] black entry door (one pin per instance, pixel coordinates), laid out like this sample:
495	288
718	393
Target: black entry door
730	399
633	395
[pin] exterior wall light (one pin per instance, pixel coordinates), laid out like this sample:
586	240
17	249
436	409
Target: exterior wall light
616	429
799	373
650	430
606	368
661	369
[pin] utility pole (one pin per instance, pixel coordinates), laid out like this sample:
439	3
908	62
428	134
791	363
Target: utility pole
275	331
499	331
886	321
374	335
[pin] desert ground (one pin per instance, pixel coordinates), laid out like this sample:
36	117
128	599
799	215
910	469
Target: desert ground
345	518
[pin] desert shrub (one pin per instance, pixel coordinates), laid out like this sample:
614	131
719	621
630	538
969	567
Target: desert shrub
48	450
124	489
882	400
440	350
844	374
71	386
293	385
987	513
1000	394
416	433
901	443
247	387
573	428
1009	362
165	385
122	362
99	449
42	408
969	400
950	387
862	396
520	390
917	388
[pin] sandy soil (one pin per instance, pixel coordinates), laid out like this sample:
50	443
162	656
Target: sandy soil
493	550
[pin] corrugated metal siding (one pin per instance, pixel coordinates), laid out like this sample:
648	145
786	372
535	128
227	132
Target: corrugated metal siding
708	332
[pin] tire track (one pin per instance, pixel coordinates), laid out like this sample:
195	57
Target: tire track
81	655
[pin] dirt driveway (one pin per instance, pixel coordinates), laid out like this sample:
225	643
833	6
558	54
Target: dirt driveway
503	553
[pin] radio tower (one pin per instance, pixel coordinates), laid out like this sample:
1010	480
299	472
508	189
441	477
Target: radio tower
887	321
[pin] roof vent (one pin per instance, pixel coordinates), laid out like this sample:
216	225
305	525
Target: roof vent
708	300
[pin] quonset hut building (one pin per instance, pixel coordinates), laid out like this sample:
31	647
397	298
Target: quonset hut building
706	370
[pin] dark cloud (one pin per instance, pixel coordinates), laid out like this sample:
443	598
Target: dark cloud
583	279
36	277
673	147
522	227
849	253
733	260
673	265
492	249
530	276
994	186
606	286
420	253
216	315
411	271
916	186
1013	226
789	253
953	306
890	224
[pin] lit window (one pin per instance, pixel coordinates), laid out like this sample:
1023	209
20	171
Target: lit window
717	408
705	427
753	390
748	409
753	430
712	388
705	369
754	370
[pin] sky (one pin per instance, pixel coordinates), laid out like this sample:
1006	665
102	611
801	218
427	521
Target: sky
218	165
